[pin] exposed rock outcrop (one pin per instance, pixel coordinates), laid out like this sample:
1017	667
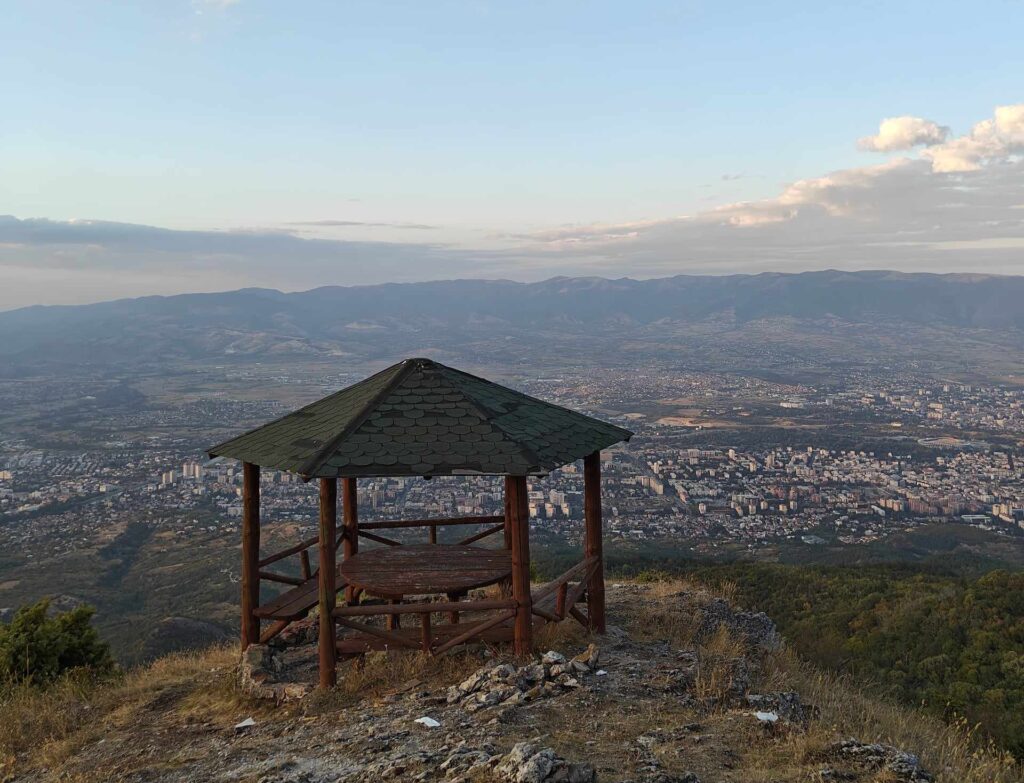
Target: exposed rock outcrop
510	685
900	764
754	628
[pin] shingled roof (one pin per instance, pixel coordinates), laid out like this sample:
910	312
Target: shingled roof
422	418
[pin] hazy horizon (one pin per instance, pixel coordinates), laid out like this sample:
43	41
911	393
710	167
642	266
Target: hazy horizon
211	145
540	280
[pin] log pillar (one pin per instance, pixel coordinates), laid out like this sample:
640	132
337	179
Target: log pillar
327	579
518	510
350	543
507	532
250	553
592	545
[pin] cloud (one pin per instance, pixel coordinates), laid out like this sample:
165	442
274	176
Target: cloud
217	5
954	207
904	133
127	259
991	139
358	224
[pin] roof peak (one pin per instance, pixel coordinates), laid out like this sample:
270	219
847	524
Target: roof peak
421	417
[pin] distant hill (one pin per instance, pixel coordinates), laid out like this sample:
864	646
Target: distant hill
370	321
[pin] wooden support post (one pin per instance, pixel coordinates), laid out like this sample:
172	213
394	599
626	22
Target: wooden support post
307	572
425	639
350	544
508	516
592	545
453	616
250	553
518	507
328	584
563	590
433	534
394	621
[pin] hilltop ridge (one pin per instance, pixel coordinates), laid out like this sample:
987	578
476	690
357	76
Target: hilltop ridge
864	309
683	689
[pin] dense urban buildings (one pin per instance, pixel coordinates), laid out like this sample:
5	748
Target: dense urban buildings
702	466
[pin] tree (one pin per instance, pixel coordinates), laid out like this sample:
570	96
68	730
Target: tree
37	648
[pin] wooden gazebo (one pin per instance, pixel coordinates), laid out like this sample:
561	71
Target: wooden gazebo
420	418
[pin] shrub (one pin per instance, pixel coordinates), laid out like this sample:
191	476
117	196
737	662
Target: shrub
37	648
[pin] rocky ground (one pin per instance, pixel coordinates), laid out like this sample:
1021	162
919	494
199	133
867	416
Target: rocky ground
682	689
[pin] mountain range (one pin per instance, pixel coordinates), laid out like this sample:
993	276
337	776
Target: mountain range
367	321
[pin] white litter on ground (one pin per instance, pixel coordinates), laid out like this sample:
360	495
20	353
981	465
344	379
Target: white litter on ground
767	717
429	722
248	723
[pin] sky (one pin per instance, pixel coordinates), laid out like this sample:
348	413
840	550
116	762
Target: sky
197	145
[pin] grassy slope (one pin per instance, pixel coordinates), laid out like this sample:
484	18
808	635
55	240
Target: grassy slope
187	700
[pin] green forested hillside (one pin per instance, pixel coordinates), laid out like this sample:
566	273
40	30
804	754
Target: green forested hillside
953	645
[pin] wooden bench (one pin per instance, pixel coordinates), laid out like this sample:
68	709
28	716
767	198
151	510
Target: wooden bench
295	603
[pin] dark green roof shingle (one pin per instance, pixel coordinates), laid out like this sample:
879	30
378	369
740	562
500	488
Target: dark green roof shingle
421	418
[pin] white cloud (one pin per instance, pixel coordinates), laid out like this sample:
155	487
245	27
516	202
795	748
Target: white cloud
904	133
989	140
933	212
220	5
956	206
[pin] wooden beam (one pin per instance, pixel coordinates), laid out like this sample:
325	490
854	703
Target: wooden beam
581	569
379	539
472	631
368	610
350	542
392	638
518	506
488	531
456	598
560	600
507	518
425	638
328	527
284	579
300	547
394	621
274	629
592	544
581	618
443	521
549	616
250	553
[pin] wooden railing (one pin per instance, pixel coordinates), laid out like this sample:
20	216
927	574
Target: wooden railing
566	596
302	550
364	530
497	525
343	614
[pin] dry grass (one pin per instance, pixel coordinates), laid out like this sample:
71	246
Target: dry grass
30	717
846	708
380	674
46	726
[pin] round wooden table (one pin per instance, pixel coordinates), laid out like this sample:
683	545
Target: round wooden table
421	569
